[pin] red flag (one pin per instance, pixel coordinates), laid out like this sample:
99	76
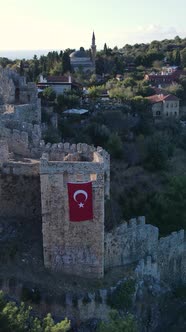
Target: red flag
80	201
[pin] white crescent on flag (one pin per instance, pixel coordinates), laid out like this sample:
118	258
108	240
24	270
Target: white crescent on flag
77	192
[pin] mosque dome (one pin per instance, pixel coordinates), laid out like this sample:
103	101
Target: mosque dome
79	54
84	60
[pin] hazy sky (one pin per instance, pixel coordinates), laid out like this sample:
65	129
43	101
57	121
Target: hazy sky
59	24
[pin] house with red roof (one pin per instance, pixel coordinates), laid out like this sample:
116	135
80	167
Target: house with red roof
164	78
59	84
165	105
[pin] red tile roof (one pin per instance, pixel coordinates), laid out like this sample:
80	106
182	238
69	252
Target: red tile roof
166	77
58	79
155	98
159	98
171	97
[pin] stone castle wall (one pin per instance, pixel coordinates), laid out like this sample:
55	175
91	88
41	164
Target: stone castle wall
130	242
20	196
7	87
25	141
23	113
20	141
18	99
136	241
4	155
79	306
72	247
62	163
172	257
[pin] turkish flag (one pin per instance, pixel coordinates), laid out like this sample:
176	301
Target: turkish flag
80	201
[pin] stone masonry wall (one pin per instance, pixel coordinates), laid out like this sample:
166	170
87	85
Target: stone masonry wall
25	140
19	141
57	152
130	242
18	99
172	257
28	112
80	306
22	113
4	153
72	247
137	241
7	88
20	196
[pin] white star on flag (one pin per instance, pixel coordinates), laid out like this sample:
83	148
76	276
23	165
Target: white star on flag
81	205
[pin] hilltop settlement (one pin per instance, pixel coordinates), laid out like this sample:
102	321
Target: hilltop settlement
93	189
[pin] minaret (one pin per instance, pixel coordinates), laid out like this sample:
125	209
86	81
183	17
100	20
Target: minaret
93	49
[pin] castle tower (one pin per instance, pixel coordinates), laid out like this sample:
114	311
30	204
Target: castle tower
93	49
75	248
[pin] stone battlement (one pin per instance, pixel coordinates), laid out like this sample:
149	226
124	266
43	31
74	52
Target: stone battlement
77	246
171	240
26	167
130	242
18	99
136	241
147	267
172	257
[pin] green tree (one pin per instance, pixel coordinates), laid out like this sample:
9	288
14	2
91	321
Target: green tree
140	104
177	57
98	133
177	90
49	94
21	68
67	100
50	326
66	62
115	146
183	57
36	69
15	318
129	81
168	210
121	298
158	151
95	91
118	323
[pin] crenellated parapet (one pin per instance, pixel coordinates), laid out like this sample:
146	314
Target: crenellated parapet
130	242
18	100
147	268
163	258
21	141
72	247
172	257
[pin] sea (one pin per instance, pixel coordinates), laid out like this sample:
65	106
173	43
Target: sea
24	54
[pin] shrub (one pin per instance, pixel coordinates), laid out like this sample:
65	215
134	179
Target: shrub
20	319
118	323
168	210
49	94
51	135
99	134
31	294
158	151
121	298
115	146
